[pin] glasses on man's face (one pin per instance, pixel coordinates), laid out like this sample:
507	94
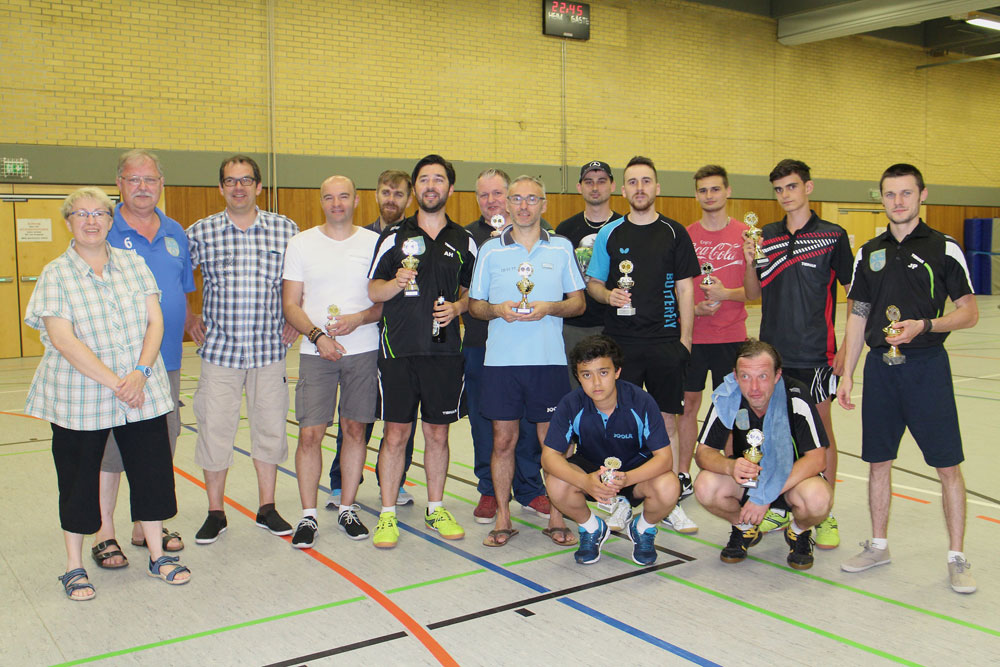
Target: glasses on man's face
229	181
533	200
136	181
82	215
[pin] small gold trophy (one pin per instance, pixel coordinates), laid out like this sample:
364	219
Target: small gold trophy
411	248
524	286
753	453
893	357
613	465
760	260
706	270
497	222
626	283
332	313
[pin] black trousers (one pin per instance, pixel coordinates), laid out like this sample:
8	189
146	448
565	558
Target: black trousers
145	450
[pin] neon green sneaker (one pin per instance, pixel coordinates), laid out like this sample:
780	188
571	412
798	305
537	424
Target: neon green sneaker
444	523
774	521
828	534
386	531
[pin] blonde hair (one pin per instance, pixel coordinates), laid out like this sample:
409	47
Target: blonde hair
96	194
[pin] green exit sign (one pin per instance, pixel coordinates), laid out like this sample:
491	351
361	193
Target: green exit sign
14	168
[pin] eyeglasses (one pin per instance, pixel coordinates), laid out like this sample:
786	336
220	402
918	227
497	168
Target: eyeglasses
532	200
82	215
229	181
135	181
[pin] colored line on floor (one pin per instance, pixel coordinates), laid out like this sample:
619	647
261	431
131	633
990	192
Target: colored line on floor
340	649
987	518
30	451
916	500
405	619
18	414
786	619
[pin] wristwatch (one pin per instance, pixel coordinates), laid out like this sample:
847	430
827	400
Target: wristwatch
145	370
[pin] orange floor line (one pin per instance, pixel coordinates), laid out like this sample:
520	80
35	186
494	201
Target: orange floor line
916	500
18	414
417	630
987	518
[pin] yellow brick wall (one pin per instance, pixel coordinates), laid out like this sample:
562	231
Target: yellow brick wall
682	83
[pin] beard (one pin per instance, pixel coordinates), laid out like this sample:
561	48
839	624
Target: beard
390	214
434	208
642	208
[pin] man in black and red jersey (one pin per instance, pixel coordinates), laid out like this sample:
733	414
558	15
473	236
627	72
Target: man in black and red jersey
798	292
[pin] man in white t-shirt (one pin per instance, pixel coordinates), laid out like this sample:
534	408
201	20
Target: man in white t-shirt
326	298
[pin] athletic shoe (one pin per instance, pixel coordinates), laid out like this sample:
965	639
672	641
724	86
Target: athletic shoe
800	554
868	558
679	521
739	542
333	502
404	497
589	550
961	580
539	505
351	524
444	523
210	530
305	533
620	513
486	510
273	522
774	520
386	531
643	548
828	534
687	487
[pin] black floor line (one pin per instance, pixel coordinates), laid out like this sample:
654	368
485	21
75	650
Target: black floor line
340	649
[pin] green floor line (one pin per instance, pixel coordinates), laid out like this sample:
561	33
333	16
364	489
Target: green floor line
215	631
32	451
532	559
433	581
463	465
791	621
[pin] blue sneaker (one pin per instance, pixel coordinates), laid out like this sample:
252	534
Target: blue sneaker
643	551
589	550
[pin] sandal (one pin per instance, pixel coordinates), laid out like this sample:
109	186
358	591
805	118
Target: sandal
70	584
167	536
568	538
100	555
505	533
157	565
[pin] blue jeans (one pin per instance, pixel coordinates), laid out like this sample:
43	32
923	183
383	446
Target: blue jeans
527	453
335	466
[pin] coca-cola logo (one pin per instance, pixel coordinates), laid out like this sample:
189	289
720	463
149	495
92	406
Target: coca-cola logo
722	252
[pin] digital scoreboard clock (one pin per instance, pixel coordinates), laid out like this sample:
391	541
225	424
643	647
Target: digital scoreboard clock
566	19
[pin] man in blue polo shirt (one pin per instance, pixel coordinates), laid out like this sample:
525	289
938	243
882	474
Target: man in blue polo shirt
622	450
143	228
524	373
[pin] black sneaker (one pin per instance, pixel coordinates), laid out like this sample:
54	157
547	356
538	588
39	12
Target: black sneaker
739	542
687	488
351	524
272	521
800	555
305	533
210	530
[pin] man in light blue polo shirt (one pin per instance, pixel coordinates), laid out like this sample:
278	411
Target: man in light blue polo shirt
525	282
143	228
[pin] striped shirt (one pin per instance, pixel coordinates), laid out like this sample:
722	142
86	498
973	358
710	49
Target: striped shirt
109	316
241	273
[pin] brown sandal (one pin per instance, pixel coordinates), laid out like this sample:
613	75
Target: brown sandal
100	555
567	535
506	533
167	536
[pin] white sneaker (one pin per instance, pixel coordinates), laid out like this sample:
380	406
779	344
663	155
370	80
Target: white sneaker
680	522
333	501
621	513
404	497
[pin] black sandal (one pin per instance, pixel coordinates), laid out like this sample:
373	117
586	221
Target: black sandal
167	536
100	555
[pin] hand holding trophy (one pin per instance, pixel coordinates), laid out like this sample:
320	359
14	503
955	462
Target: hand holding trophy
760	260
332	313
753	453
626	283
410	262
706	270
612	464
524	286
893	357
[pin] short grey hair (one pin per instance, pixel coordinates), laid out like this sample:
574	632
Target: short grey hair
524	177
135	155
491	172
86	193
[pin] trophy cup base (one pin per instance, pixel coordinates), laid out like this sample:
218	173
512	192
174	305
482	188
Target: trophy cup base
411	292
893	360
761	262
524	311
626	311
749	484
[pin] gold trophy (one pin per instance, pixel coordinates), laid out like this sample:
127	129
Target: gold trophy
760	260
893	357
410	262
497	222
626	283
524	286
332	313
706	270
613	465
753	453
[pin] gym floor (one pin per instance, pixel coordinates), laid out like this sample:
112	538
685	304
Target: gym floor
254	600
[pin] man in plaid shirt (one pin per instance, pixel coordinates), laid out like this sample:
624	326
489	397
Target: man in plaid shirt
243	337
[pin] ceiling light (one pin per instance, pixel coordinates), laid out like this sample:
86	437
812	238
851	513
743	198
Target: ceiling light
984	20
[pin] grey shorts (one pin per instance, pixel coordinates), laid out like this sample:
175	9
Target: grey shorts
112	461
356	375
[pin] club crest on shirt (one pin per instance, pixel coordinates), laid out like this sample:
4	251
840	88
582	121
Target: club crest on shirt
171	243
876	261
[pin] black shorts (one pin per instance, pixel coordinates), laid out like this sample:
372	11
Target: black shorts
821	381
589	467
779	503
436	382
720	358
660	367
512	392
918	395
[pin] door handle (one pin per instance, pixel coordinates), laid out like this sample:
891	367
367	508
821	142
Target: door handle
29	279
6	279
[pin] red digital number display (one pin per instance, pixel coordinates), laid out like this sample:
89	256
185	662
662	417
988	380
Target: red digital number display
567	8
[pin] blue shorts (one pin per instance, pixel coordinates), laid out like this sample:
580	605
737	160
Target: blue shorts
512	392
918	395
